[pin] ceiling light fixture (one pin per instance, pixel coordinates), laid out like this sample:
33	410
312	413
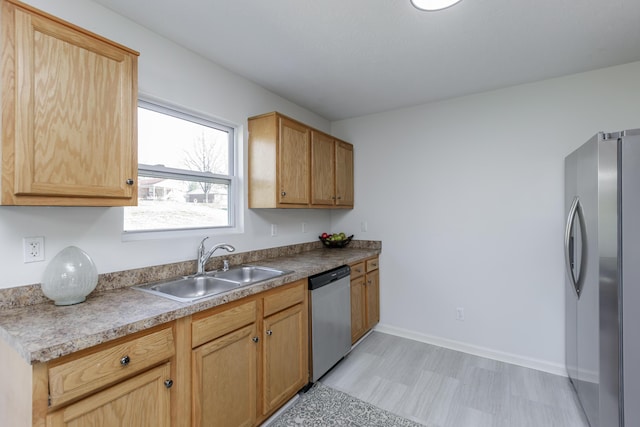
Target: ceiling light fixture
432	5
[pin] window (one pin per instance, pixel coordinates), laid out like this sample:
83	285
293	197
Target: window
185	172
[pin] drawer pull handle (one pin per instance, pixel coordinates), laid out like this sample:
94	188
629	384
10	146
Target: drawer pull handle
168	383
255	339
125	361
269	332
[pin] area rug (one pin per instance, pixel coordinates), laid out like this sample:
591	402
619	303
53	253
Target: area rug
324	406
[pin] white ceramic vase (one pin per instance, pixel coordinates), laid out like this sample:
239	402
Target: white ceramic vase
70	276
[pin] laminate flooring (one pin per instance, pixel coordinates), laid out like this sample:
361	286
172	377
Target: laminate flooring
439	387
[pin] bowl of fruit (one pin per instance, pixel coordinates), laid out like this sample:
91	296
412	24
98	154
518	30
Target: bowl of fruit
335	240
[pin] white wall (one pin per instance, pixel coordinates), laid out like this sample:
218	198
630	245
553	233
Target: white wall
168	72
467	197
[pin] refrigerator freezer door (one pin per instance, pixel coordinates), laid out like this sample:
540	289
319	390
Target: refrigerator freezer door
630	182
590	176
571	297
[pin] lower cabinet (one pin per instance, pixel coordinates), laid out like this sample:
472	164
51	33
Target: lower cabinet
224	380
125	383
372	290
365	297
285	363
143	400
249	357
231	365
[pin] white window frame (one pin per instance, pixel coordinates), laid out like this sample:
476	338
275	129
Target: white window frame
160	171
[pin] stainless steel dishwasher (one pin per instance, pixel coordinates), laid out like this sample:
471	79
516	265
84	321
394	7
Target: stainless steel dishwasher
330	319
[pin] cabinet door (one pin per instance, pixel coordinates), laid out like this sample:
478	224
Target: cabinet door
344	174
322	169
285	362
69	132
143	400
358	311
373	298
293	162
224	380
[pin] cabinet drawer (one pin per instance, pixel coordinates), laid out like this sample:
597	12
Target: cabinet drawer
216	325
281	299
372	264
79	376
357	270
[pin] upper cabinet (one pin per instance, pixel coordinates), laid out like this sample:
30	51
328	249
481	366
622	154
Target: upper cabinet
278	162
323	165
69	104
331	172
294	166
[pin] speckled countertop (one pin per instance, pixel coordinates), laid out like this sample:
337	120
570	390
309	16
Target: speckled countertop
42	332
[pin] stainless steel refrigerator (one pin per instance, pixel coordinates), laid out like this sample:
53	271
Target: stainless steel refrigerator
602	254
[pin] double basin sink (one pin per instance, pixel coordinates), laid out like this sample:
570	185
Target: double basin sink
191	288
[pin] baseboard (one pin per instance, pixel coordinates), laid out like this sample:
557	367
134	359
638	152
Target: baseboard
527	362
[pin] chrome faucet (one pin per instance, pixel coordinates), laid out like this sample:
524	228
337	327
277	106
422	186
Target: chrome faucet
204	257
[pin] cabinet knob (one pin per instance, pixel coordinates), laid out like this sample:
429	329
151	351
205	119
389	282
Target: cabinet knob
339	197
168	383
255	339
129	181
269	332
368	282
284	193
125	361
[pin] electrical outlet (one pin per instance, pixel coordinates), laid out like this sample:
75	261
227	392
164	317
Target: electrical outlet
364	226
274	230
460	313
304	227
33	249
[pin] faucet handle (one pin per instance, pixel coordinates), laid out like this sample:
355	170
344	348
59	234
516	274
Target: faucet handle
225	265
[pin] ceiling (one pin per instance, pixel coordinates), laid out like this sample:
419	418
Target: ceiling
348	58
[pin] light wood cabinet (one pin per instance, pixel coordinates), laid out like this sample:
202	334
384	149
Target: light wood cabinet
69	112
278	162
285	361
292	165
126	382
143	400
331	172
224	380
224	366
70	378
249	357
365	297
372	287
323	161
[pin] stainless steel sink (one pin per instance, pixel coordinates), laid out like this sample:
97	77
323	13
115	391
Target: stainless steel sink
191	288
249	274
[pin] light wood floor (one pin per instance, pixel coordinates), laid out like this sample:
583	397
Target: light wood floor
438	387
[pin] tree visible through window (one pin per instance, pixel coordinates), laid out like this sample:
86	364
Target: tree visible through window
185	172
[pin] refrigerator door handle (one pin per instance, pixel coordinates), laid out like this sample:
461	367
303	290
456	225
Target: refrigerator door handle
569	243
